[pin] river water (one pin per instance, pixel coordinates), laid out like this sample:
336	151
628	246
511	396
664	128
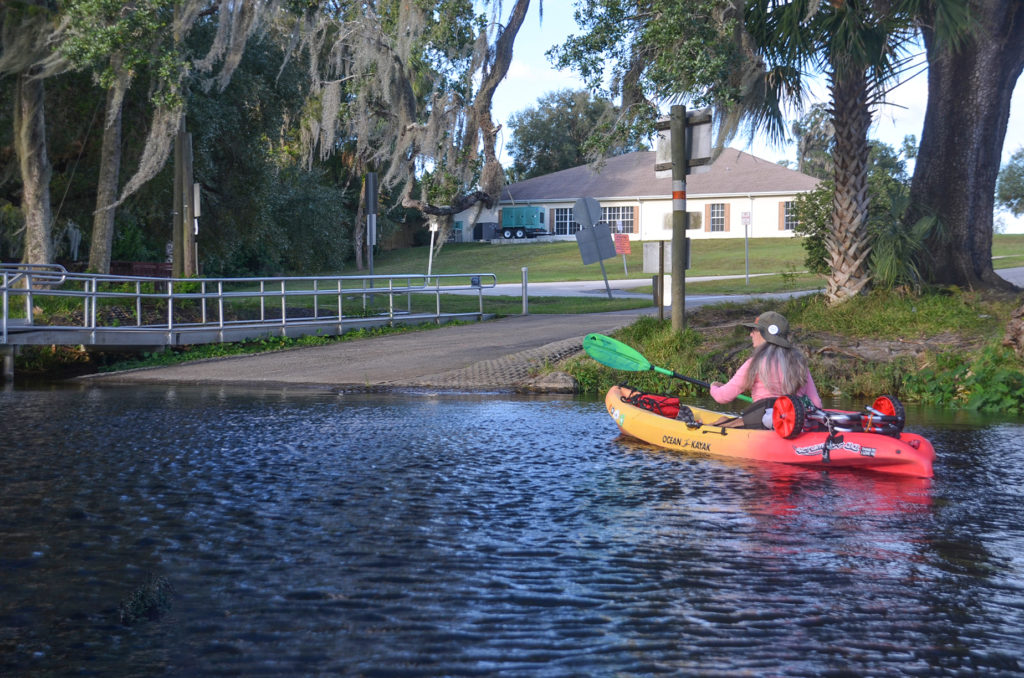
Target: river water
314	533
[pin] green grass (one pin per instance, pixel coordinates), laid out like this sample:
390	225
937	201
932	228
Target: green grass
1007	250
511	305
560	261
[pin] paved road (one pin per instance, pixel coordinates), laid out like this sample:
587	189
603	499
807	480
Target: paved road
495	354
1014	275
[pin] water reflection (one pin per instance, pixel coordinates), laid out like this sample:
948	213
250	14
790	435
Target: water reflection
433	534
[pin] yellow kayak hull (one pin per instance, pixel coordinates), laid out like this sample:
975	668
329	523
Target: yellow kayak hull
907	455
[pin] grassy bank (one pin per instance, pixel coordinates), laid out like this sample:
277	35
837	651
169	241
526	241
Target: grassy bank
943	348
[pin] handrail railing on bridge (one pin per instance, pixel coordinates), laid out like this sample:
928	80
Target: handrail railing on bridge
182	307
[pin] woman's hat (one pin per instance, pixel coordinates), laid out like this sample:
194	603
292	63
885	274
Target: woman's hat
773	327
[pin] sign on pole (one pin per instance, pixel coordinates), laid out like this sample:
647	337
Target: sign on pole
594	237
622	247
595	243
697	133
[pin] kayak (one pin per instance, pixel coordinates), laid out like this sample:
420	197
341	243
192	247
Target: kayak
895	452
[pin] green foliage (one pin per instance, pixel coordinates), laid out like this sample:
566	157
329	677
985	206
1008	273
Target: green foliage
11	222
682	352
814	221
560	131
263	214
1010	187
991	381
814	135
130	240
898	250
99	29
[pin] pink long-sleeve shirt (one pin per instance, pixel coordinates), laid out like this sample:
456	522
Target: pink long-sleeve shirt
727	392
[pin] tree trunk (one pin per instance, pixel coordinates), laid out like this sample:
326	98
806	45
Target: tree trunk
969	92
30	145
106	190
847	242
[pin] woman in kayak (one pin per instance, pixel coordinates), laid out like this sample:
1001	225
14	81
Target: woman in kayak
775	368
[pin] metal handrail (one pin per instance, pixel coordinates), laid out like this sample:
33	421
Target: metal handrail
215	296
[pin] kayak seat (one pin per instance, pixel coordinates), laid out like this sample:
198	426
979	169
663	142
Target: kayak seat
685	415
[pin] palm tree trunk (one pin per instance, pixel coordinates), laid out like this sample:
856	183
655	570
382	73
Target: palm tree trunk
847	243
30	145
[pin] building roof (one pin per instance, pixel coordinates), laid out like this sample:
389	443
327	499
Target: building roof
632	176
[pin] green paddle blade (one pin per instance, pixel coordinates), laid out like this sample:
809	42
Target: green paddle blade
613	353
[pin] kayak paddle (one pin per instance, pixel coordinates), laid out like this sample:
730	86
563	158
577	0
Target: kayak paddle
616	355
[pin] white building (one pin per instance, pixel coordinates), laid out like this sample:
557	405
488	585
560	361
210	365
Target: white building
739	192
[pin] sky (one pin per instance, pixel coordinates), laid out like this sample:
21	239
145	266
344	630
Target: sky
531	76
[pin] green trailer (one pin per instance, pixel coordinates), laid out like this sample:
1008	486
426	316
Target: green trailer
522	222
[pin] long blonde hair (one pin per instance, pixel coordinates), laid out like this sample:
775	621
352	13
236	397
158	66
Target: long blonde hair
769	362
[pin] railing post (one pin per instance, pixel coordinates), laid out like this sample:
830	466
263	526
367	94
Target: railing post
284	309
391	301
202	303
526	303
170	307
220	304
263	301
92	322
28	299
138	303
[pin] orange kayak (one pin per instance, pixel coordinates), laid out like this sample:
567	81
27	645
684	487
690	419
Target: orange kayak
905	454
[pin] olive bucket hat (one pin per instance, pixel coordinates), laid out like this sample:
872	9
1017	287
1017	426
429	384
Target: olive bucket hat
773	327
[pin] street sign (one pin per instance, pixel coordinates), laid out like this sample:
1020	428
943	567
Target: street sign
595	243
621	243
587	212
698	143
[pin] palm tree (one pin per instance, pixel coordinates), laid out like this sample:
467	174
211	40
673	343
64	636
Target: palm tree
858	45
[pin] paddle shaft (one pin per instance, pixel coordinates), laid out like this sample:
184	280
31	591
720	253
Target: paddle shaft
617	355
696	382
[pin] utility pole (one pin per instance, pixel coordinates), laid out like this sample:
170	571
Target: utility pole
680	220
686	151
183	237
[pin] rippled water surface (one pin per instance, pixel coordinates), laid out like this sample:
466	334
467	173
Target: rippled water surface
419	534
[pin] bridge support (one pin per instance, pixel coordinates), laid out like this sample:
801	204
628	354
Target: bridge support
7	353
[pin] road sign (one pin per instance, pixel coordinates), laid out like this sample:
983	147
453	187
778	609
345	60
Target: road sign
595	243
621	243
698	134
587	212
